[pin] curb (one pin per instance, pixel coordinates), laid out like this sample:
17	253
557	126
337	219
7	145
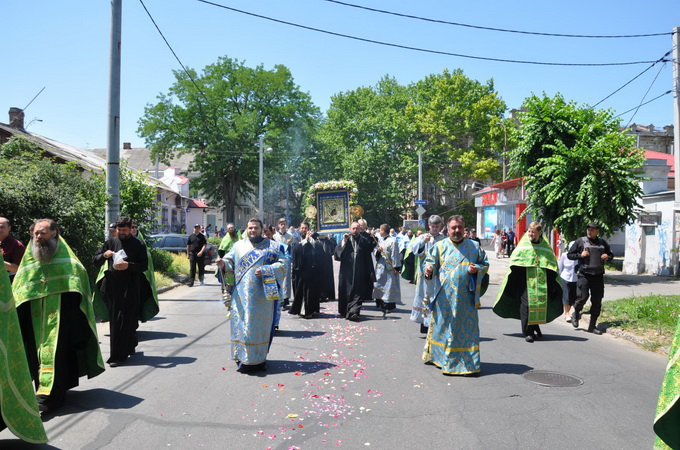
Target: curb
167	288
630	337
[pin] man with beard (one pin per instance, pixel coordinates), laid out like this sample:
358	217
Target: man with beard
425	289
307	263
124	293
282	235
257	265
530	291
12	249
387	290
453	336
52	294
355	282
18	407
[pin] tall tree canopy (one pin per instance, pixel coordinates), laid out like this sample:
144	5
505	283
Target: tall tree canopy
578	166
219	115
375	134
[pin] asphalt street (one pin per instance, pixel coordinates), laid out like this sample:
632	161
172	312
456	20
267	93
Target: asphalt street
331	383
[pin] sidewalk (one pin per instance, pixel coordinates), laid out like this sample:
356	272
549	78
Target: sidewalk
616	284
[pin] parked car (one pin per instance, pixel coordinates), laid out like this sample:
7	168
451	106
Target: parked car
177	243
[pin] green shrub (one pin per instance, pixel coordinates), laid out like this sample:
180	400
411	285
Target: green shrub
180	264
215	240
162	260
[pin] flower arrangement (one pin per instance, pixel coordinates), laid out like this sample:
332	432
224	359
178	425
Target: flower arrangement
349	185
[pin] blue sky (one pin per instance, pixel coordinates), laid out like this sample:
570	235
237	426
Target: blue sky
64	47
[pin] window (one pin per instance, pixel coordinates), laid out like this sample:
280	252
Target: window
174	241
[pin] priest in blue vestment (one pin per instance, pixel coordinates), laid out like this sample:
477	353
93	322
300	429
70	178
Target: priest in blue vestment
258	268
453	336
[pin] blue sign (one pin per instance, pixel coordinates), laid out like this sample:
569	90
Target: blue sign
420	202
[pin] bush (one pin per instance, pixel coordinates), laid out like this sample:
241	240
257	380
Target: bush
162	260
215	240
180	264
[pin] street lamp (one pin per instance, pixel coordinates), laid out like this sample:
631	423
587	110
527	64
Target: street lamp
260	209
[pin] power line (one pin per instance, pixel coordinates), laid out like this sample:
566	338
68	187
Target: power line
643	104
503	30
644	96
634	78
173	51
418	49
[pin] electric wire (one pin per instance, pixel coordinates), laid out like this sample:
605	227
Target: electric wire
645	103
419	49
634	78
503	30
645	96
173	51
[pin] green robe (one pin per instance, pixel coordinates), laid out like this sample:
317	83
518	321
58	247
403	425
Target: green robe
228	242
537	259
42	284
667	420
17	399
150	306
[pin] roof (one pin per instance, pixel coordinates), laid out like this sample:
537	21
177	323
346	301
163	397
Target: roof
140	159
83	158
507	184
670	160
193	203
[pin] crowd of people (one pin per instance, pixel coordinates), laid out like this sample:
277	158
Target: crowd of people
264	271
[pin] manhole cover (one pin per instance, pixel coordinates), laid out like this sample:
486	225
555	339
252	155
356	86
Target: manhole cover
552	379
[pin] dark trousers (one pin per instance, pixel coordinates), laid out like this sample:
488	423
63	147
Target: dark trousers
509	248
527	330
193	262
590	286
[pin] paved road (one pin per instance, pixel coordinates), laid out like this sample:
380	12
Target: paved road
337	384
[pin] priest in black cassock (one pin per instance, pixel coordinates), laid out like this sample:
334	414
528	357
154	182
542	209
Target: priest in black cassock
357	273
327	288
124	288
307	256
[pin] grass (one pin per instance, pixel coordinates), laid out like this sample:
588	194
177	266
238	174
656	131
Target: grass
180	265
163	280
653	318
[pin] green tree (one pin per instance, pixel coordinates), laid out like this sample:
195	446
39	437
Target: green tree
137	198
370	137
219	116
458	120
40	189
577	165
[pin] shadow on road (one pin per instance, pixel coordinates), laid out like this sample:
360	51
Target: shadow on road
550	337
275	367
17	444
146	335
501	368
298	334
158	362
91	399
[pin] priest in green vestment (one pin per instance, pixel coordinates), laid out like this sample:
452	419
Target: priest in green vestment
18	408
453	333
52	293
667	420
530	291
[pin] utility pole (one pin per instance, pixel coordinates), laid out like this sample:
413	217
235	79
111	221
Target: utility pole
420	181
260	203
113	129
676	113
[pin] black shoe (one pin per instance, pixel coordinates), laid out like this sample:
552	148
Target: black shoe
529	338
190	284
539	334
113	364
575	316
595	330
354	317
423	329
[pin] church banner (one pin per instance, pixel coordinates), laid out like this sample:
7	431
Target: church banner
333	211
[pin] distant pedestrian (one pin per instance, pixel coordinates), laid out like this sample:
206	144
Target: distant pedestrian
12	249
568	274
511	242
592	253
196	246
496	242
473	236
